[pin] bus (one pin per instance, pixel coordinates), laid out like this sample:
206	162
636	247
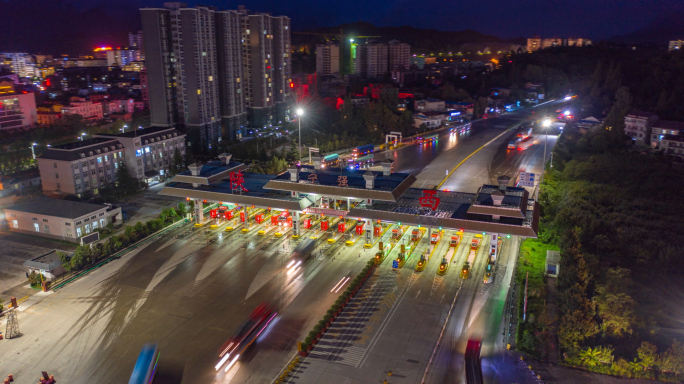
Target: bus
361	162
362	150
146	366
330	160
427	139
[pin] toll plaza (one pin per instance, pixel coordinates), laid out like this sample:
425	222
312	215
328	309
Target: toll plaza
350	205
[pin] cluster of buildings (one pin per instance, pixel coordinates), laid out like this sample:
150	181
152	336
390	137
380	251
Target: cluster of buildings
208	68
370	59
675	45
536	43
83	168
647	128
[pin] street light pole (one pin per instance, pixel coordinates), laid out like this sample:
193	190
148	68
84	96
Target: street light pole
300	112
33	152
545	124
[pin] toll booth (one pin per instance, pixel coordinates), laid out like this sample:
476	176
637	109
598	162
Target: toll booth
377	230
455	239
325	224
242	216
259	217
359	228
214	213
229	214
307	223
415	234
434	238
396	234
341	226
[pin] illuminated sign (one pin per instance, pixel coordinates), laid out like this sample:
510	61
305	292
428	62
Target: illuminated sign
342	181
237	181
429	200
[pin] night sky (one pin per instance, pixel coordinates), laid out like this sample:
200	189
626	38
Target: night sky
49	25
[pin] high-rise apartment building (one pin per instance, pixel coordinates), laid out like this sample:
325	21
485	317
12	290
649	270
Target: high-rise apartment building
327	59
182	71
372	60
207	67
399	55
536	43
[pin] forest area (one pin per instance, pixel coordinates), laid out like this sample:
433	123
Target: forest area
615	211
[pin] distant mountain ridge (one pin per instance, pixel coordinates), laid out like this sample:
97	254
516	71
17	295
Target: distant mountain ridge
421	40
668	26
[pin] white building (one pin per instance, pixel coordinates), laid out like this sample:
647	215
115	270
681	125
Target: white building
430	105
372	60
60	219
673	145
638	125
22	63
88	109
399	55
81	167
149	152
664	127
327	59
122	57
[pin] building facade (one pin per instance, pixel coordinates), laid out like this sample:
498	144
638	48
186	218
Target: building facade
399	56
536	43
327	59
149	152
18	111
80	168
207	67
88	109
372	60
60	219
673	145
638	125
675	45
663	128
122	57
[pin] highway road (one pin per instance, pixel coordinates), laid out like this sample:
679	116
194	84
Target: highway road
190	294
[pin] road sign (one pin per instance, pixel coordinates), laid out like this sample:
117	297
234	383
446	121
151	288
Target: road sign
395	264
527	179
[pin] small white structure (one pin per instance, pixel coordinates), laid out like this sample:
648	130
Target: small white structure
552	263
48	265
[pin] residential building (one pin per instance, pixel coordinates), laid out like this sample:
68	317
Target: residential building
88	109
60	219
536	43
399	55
327	59
665	127
231	66
193	55
673	145
429	105
372	60
81	167
149	151
21	63
122	57
18	111
182	70
675	45
418	61
638	125
135	41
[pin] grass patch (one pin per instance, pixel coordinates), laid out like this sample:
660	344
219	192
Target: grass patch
531	335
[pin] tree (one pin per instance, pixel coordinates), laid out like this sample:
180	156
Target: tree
613	303
126	184
672	361
615	121
65	260
648	353
176	163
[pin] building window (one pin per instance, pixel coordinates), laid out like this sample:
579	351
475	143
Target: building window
36	226
78	232
55	165
46	229
94	225
58	186
103	223
56	175
15	224
87	229
45	220
99	160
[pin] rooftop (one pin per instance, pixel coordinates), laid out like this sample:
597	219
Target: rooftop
144	132
671	125
48	261
72	151
56	208
641	114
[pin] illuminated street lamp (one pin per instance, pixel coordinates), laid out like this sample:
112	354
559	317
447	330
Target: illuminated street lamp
81	137
300	113
33	152
123	129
